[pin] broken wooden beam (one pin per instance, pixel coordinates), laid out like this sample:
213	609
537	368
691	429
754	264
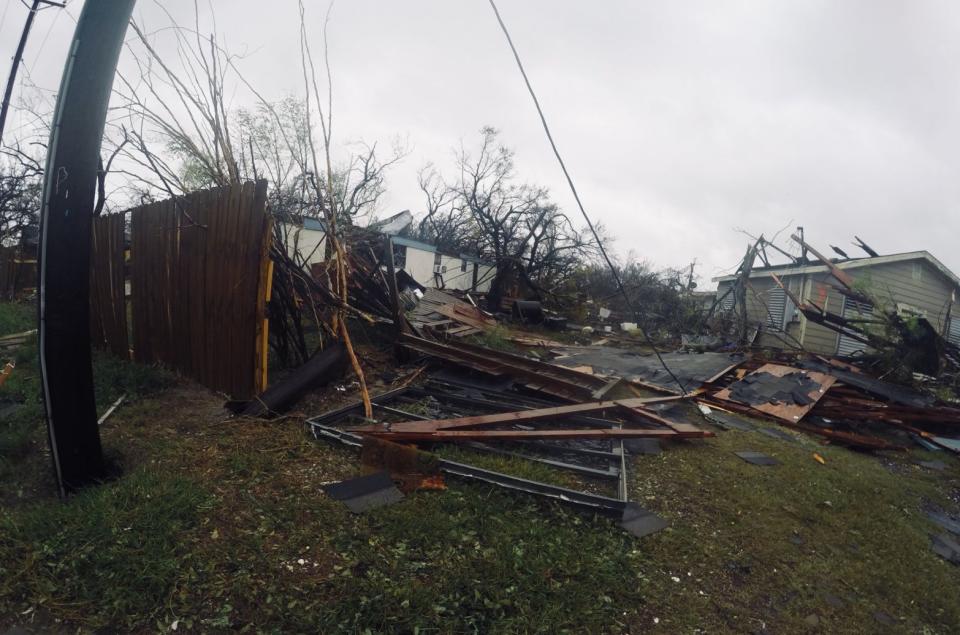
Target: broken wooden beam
841	276
632	406
526	435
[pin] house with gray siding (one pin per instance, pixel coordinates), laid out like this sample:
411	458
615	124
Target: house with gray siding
913	283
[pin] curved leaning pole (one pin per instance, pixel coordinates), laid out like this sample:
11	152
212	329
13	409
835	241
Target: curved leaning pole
64	254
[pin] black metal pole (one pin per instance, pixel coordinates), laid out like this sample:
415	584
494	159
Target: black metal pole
64	256
11	80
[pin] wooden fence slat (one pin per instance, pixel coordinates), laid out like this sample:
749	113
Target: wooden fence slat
108	310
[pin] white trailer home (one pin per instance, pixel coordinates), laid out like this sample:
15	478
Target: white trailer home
422	261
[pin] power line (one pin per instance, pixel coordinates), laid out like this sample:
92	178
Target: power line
576	196
34	8
43	42
3	16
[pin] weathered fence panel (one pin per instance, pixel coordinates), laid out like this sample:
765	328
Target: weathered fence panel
198	278
18	270
108	303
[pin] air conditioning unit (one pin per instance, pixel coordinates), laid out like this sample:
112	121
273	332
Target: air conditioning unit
439	269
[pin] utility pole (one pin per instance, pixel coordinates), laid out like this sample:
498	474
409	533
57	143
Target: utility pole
19	56
69	189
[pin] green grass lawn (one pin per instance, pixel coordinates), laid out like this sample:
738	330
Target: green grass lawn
219	525
23	432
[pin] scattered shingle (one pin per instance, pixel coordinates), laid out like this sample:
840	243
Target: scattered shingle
641	522
777	434
883	618
757	458
950	524
946	547
642	446
366	492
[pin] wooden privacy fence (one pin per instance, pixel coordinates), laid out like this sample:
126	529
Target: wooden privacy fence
18	270
108	303
198	272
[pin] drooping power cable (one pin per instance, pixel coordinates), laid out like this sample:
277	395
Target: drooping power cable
576	196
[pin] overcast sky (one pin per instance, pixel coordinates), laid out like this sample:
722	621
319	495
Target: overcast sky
680	122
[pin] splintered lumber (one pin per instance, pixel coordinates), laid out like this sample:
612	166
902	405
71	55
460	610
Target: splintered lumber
841	276
851	439
779	408
526	416
548	378
465	318
476	427
847	438
527	435
17	339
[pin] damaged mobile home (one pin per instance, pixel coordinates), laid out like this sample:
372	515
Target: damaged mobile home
422	261
913	284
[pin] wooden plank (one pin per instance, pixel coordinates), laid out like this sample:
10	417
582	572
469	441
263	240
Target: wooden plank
525	435
841	276
724	371
450	311
264	287
525	416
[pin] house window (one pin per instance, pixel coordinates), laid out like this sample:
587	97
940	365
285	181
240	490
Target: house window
917	271
437	259
463	265
907	310
399	256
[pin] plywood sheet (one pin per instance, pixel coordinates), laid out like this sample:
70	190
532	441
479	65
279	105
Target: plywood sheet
781	408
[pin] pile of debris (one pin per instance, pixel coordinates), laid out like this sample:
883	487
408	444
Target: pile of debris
584	409
437	314
507	405
840	403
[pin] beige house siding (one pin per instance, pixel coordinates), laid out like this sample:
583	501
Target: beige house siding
915	285
758	301
817	338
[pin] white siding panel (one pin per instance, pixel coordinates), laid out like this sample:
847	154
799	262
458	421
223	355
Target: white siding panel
420	266
485	275
309	243
454	278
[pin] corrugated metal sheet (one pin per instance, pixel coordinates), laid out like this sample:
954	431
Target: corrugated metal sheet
414	244
852	309
776	308
953	334
726	304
